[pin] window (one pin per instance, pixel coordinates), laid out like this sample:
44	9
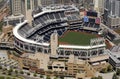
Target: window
55	67
28	4
49	67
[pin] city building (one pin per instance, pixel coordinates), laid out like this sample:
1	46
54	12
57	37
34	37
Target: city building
58	2
55	2
19	7
42	63
113	21
99	6
13	20
117	8
6	38
15	6
34	62
23	7
114	58
111	13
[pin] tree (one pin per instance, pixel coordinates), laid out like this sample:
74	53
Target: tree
104	70
4	69
3	72
9	72
109	68
55	78
21	72
61	77
34	74
115	76
28	73
94	78
16	71
118	71
0	67
48	77
41	76
100	77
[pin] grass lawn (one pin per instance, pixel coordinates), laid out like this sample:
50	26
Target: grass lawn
76	38
8	78
2	77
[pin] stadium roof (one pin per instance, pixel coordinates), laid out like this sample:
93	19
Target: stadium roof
57	8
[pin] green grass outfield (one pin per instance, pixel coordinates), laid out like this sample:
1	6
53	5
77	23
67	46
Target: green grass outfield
76	38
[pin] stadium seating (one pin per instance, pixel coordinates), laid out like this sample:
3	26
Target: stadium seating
92	25
24	29
47	22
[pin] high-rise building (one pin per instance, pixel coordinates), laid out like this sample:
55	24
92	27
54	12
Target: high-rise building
27	8
24	7
117	8
113	7
112	13
49	2
15	6
99	6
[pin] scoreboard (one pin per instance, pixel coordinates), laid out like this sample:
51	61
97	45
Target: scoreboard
92	14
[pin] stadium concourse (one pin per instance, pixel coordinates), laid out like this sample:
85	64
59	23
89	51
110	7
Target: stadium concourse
36	38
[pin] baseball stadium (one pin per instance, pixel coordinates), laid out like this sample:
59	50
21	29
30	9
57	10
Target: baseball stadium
74	36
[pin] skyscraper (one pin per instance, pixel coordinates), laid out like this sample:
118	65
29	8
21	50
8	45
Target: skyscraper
49	2
117	8
24	7
99	5
113	7
15	6
112	13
